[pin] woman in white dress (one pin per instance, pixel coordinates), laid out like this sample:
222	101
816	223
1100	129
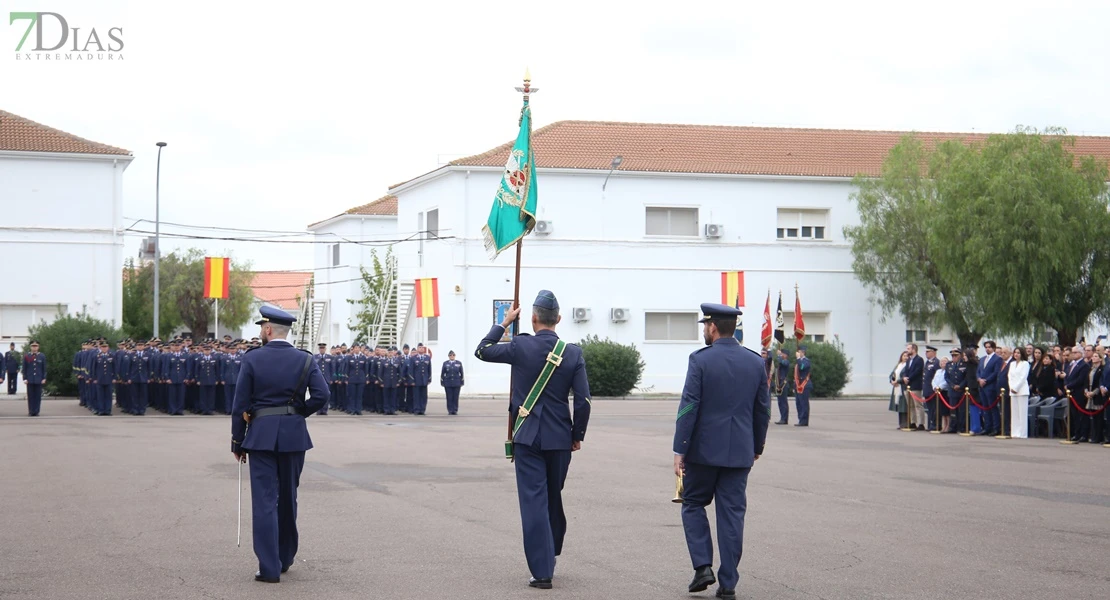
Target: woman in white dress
1018	377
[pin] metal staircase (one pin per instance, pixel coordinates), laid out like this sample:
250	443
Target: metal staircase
396	299
310	321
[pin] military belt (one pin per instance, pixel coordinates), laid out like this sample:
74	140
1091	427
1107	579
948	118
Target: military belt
271	411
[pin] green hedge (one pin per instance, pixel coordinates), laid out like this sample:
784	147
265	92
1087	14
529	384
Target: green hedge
612	369
831	367
60	340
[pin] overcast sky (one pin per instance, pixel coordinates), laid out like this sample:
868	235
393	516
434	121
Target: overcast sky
281	114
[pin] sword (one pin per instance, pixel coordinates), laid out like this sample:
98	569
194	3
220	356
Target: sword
239	530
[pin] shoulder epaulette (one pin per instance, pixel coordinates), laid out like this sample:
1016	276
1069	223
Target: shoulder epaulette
702	349
305	351
249	350
750	350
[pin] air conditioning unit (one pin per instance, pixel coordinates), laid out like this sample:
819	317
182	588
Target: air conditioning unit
714	230
619	315
581	315
544	227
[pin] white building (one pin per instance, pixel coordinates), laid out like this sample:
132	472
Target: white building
639	249
61	230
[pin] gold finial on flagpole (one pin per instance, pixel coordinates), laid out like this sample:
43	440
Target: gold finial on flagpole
527	89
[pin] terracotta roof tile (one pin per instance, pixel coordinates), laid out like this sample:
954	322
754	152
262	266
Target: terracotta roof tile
725	150
385	206
280	289
25	135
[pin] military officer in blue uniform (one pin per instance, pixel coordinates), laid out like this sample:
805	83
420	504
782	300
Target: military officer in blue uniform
389	376
802	371
123	378
103	376
955	375
270	398
543	443
405	392
932	365
140	379
206	372
233	362
34	377
176	374
452	380
11	367
781	384
719	434
421	376
356	380
88	362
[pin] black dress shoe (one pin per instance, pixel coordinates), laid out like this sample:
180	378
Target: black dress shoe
543	584
801	424
780	423
703	578
723	593
258	577
284	569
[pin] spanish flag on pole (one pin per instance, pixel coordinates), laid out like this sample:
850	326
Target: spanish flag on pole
217	277
732	288
427	298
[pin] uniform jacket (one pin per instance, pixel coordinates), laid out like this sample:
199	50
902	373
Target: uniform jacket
104	368
232	364
11	362
389	371
955	375
177	368
34	368
782	373
267	379
915	371
932	365
357	368
420	370
327	367
451	374
550	425
725	407
206	370
123	367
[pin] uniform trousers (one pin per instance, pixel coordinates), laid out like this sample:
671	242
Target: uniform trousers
34	398
801	400
727	487
123	397
139	399
784	404
207	397
175	400
368	396
452	399
990	417
540	475
13	379
389	400
229	397
354	397
420	400
274	480
410	394
80	392
379	399
104	399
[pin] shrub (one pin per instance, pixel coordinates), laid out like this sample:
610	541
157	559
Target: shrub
612	369
60	340
831	367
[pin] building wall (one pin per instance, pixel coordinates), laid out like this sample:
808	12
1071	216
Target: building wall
61	239
338	280
599	257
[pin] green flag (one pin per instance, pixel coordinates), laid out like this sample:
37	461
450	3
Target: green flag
514	206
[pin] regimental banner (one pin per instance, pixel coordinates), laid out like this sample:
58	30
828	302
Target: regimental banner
732	288
217	277
799	322
427	298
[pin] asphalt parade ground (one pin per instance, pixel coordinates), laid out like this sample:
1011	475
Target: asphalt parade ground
425	507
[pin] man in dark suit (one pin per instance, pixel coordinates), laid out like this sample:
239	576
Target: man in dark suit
542	430
719	434
987	374
1075	382
270	397
912	376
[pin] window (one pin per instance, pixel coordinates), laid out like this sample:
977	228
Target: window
433	224
917	336
796	224
817	325
335	255
420	242
433	329
662	220
15	320
671	327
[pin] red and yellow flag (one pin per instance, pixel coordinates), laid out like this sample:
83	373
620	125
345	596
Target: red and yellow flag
799	322
427	297
217	277
732	288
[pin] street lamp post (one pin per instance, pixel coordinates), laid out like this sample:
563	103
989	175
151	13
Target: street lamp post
157	232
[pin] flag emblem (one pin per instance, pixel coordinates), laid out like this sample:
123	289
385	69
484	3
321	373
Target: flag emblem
427	298
217	277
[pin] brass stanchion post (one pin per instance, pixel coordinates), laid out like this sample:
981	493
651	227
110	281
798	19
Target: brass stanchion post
967	415
908	398
1067	423
1005	433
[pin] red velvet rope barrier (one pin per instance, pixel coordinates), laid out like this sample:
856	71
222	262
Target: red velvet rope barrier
991	407
958	404
1085	411
921	400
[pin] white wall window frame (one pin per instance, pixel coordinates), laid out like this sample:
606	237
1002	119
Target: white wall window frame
804	222
810	319
431	328
29	316
694	330
334	251
917	336
420	237
670	236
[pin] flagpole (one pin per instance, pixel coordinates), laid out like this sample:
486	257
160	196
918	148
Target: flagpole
217	335
526	90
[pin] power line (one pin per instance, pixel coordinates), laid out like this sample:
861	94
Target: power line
281	232
342	240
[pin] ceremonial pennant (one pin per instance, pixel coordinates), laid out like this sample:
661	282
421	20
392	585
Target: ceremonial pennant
427	298
732	288
217	277
513	215
768	330
780	334
799	323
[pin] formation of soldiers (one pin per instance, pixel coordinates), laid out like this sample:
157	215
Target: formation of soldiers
180	375
385	380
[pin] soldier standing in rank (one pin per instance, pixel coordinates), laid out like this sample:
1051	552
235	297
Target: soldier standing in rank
451	378
802	371
405	392
88	363
176	374
389	374
77	373
368	389
955	374
421	379
545	370
123	378
206	375
140	379
377	392
781	385
232	367
719	434
329	376
103	376
11	367
34	377
268	425
356	380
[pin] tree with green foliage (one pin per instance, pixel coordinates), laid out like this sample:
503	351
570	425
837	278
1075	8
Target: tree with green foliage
612	369
181	277
831	367
375	294
60	340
